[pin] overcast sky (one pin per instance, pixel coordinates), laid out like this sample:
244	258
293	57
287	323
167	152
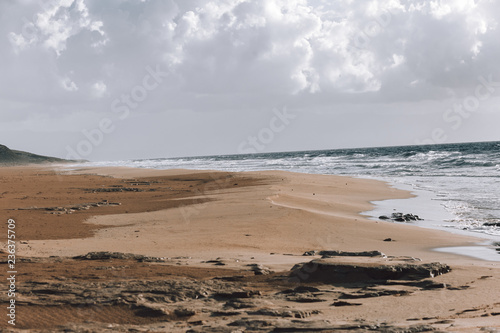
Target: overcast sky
119	79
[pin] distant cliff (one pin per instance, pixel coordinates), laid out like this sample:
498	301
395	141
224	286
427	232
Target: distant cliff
16	157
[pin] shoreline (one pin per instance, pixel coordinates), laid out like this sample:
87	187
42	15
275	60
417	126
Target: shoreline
235	232
425	205
304	201
299	201
423	198
482	248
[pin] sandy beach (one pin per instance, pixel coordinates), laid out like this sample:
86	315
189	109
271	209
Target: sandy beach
121	249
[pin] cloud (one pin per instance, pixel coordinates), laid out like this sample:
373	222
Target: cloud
99	89
54	24
72	56
261	47
68	84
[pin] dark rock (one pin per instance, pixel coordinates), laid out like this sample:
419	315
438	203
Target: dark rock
400	217
183	312
225	313
492	224
209	329
329	254
417	329
331	272
105	255
458	288
435	285
396	215
251	324
370	293
306	298
388	240
284	313
409	217
240	304
237	294
424	284
310	253
260	270
149	259
303	289
326	326
300	290
305	314
216	261
230	278
115	189
343	303
71	208
272	313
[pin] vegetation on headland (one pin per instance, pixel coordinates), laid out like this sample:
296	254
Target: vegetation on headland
17	157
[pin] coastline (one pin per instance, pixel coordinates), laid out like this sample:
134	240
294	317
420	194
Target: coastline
426	205
205	219
310	196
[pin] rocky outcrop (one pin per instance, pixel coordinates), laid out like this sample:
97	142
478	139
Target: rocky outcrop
330	254
70	209
259	269
329	271
274	302
371	254
104	255
400	217
116	189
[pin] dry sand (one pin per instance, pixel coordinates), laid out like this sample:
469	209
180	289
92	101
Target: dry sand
200	221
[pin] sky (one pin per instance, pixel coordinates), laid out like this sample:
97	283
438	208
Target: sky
131	79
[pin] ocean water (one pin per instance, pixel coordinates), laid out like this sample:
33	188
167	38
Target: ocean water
457	185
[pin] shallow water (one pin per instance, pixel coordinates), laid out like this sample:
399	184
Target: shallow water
428	206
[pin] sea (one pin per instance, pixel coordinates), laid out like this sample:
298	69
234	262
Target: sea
456	186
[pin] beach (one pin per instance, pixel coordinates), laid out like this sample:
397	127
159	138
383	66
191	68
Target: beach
180	250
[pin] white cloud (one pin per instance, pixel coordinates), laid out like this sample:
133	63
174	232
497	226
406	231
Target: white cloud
69	85
243	55
55	24
263	46
99	89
